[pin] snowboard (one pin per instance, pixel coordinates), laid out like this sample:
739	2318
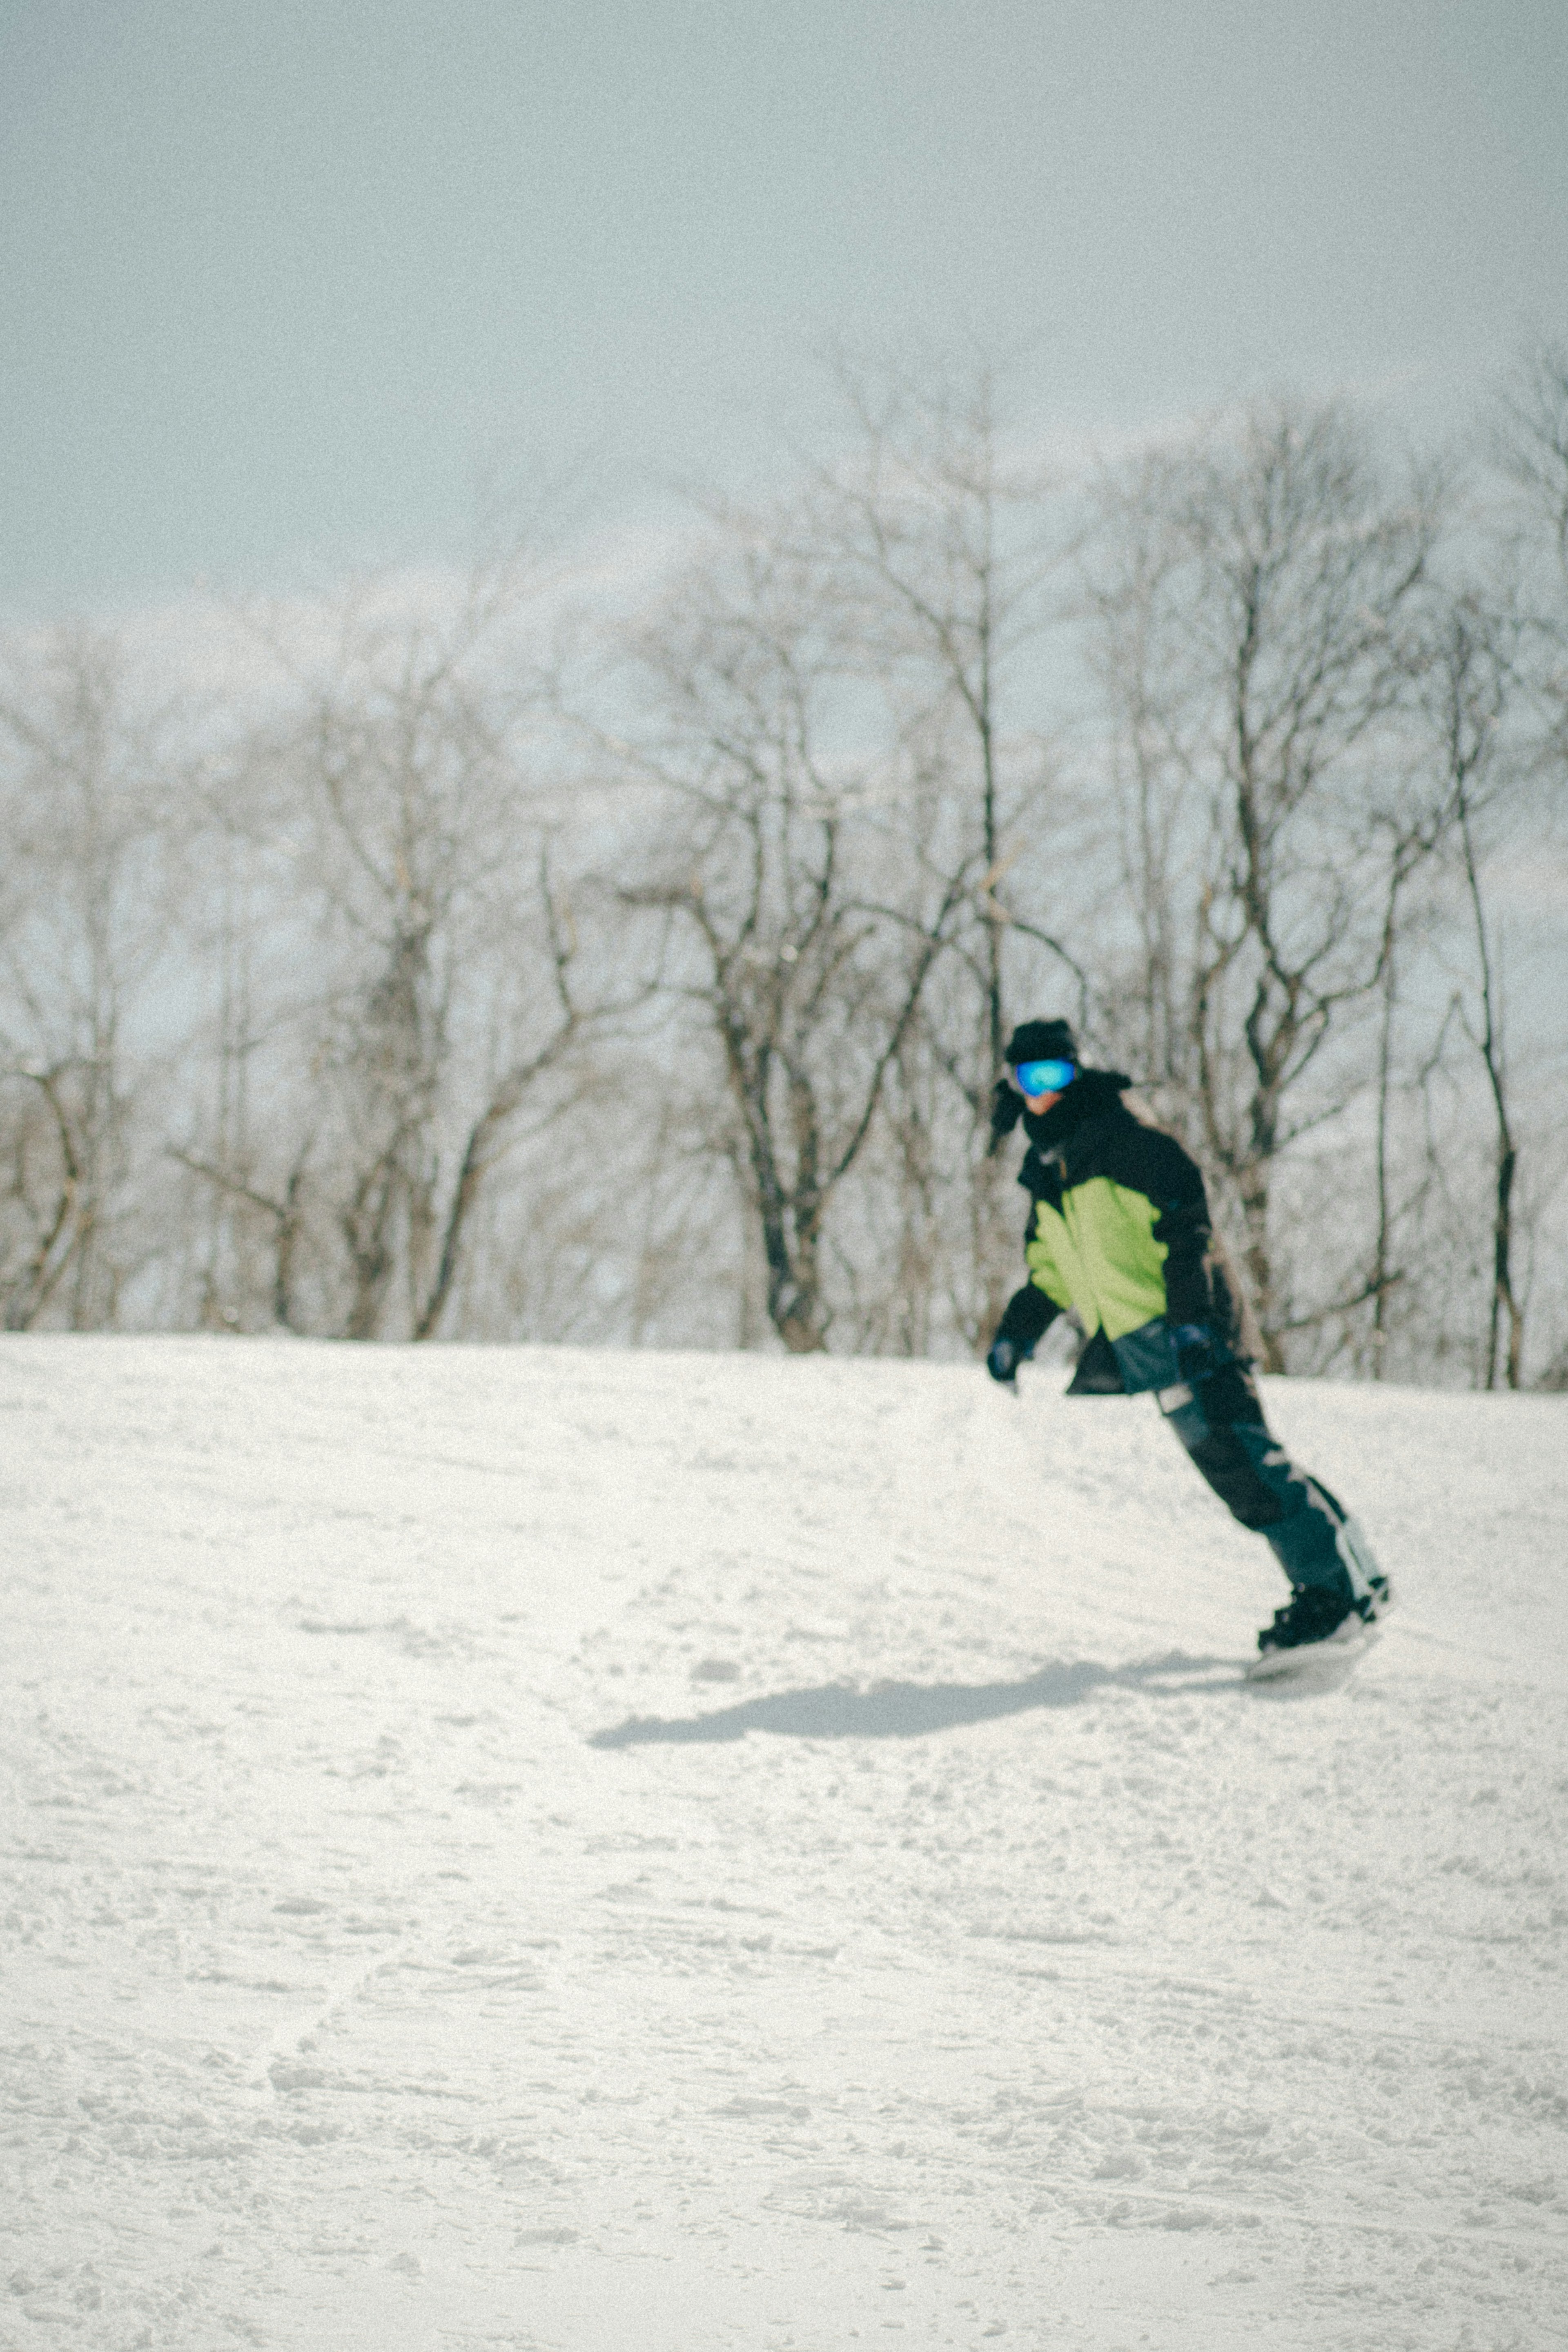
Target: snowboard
1319	1665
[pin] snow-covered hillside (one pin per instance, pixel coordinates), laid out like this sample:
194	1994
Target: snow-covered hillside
534	1849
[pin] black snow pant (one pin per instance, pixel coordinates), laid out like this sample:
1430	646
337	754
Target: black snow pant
1221	1422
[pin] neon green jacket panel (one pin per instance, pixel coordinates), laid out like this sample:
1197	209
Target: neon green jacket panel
1097	1255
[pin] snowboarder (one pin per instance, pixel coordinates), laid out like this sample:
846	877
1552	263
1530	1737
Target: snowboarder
1119	1233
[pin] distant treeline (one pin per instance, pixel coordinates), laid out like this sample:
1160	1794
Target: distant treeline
519	961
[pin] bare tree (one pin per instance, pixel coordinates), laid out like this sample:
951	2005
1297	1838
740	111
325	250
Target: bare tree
1497	691
945	555
1251	597
1468	678
801	924
85	908
437	953
1531	445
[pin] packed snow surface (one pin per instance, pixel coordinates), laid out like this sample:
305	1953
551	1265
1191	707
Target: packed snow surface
540	1849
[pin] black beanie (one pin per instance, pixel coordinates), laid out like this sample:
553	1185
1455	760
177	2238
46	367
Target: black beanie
1041	1040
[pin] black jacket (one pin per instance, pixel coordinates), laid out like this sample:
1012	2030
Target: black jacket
1119	1229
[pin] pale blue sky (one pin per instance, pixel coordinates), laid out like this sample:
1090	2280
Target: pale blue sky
277	275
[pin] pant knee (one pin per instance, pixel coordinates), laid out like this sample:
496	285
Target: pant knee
1223	1458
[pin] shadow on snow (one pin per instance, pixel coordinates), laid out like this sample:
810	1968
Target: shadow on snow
904	1710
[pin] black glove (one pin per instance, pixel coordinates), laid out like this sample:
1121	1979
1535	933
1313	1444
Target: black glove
1194	1351
1003	1359
1007	1109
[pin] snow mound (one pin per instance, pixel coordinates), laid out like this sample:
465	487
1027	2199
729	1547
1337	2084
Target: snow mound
543	1849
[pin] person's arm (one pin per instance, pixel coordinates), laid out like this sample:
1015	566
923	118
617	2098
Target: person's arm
1007	1109
1028	1316
1182	1224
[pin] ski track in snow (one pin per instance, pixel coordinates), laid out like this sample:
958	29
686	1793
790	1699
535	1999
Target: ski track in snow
541	1848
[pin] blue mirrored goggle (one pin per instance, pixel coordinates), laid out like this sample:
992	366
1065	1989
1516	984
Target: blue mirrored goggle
1044	1077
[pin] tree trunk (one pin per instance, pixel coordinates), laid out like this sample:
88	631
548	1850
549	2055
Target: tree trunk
1502	1298
1257	1257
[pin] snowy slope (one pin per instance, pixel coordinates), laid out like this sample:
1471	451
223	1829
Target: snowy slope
536	1849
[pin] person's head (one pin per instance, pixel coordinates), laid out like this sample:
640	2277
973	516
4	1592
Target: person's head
1042	1062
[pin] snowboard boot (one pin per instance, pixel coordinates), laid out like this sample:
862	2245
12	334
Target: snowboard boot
1314	1613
